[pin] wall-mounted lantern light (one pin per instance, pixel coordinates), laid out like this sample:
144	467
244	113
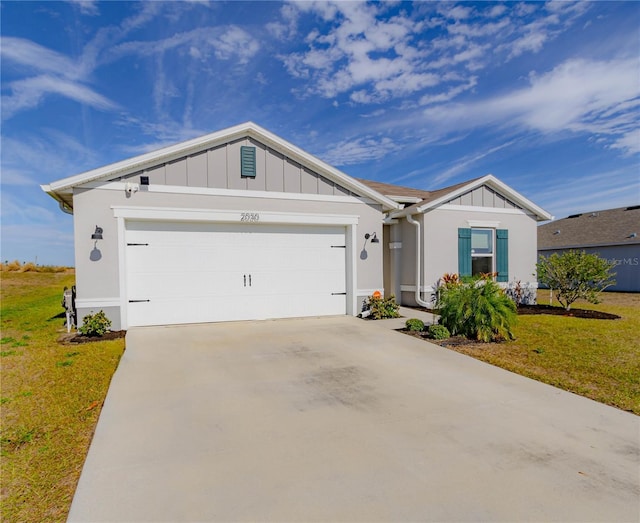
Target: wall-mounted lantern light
97	235
374	238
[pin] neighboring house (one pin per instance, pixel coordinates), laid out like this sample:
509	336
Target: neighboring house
613	234
240	224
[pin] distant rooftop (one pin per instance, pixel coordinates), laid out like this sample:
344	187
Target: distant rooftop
592	229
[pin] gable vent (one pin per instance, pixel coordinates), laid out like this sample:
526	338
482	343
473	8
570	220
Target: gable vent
248	161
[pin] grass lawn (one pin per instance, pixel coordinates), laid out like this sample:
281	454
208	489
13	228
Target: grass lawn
50	398
599	359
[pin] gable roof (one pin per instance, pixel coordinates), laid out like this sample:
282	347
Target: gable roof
427	200
62	189
592	229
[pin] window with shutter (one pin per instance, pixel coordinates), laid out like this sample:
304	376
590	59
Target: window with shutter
248	161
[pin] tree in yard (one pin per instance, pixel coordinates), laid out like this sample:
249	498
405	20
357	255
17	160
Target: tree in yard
574	275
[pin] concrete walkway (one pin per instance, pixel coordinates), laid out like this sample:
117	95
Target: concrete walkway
341	419
405	313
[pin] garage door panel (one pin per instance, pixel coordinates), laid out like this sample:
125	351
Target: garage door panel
168	285
194	272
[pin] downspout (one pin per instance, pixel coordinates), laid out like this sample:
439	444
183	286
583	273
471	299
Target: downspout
418	299
65	208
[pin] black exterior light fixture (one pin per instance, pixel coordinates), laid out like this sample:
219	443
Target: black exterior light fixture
374	238
97	235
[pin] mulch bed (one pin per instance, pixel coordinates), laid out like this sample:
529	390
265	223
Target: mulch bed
453	341
75	338
554	310
460	341
559	311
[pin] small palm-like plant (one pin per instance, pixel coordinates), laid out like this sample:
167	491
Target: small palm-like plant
478	309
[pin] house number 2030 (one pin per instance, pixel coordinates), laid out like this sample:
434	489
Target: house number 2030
249	217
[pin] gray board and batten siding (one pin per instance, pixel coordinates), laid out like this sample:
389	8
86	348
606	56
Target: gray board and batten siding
218	168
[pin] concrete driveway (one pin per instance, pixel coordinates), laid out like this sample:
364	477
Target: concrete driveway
339	419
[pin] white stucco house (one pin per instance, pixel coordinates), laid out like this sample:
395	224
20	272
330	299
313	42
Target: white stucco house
240	224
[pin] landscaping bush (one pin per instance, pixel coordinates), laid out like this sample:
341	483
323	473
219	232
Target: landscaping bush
477	309
414	325
95	324
575	275
438	332
383	308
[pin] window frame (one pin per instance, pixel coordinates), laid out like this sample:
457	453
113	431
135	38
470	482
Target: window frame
492	254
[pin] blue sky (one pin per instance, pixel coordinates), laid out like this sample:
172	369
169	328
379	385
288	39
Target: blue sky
545	96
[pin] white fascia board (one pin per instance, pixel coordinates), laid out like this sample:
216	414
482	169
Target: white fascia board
231	216
248	129
404	199
238	193
481	210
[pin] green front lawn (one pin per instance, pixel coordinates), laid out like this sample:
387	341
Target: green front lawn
599	359
50	398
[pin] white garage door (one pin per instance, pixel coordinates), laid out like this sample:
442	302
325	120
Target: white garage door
196	272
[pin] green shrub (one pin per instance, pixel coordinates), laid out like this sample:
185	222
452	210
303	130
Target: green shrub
383	308
576	274
438	332
414	325
95	324
477	309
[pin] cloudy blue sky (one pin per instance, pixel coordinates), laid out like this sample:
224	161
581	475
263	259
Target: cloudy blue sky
545	96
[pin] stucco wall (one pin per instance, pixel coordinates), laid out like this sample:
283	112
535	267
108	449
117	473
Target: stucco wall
441	241
97	273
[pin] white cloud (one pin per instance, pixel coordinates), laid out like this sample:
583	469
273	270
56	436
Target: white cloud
607	190
15	177
86	7
286	29
226	43
578	95
359	150
496	10
370	56
361	51
163	133
62	155
450	94
34	56
629	142
62	76
463	164
235	42
28	93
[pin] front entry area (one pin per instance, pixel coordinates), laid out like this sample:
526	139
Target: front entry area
186	272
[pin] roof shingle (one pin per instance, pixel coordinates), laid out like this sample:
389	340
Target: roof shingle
608	227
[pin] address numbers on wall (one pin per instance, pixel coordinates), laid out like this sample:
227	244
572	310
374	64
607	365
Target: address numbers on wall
249	217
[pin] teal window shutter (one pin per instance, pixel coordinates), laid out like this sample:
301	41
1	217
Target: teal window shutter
248	161
502	254
464	252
